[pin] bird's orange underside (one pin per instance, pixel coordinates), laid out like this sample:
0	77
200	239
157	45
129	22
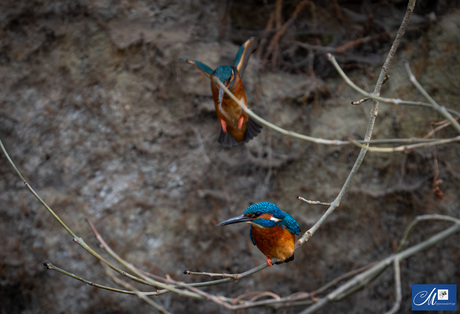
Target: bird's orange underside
276	242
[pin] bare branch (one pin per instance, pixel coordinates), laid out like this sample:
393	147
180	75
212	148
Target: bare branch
141	295
393	101
441	109
404	148
74	236
398	293
313	202
419	219
50	266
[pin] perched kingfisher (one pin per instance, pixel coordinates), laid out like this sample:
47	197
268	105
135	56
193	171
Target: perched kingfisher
236	126
272	230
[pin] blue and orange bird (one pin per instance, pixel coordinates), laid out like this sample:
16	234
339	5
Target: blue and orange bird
272	230
236	126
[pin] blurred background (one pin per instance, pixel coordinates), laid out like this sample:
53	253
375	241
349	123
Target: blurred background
107	123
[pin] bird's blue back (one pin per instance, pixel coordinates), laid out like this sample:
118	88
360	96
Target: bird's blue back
287	221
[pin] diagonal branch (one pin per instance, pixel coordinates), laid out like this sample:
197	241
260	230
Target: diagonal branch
441	109
373	115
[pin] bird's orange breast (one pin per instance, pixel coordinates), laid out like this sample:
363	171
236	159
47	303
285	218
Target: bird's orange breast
229	111
275	242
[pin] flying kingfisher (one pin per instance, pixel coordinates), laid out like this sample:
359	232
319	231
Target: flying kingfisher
236	126
272	230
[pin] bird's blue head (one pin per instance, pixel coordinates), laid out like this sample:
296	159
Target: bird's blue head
226	74
265	215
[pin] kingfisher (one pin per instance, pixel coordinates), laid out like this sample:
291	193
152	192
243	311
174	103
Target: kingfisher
236	126
272	230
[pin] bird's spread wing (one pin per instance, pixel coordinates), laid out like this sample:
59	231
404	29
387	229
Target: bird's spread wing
241	59
202	67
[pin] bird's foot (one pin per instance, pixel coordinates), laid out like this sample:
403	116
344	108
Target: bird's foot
224	125
269	262
240	122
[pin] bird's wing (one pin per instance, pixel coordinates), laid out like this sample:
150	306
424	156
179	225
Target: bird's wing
242	57
201	66
252	238
290	224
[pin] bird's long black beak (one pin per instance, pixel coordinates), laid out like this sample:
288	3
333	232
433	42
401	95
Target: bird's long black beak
234	220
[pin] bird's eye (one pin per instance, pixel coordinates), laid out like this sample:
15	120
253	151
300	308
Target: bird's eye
254	215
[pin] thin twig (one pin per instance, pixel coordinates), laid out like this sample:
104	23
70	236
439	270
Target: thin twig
141	295
229	277
404	148
50	266
216	299
441	109
443	124
201	273
397	304
313	202
394	101
74	236
419	219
